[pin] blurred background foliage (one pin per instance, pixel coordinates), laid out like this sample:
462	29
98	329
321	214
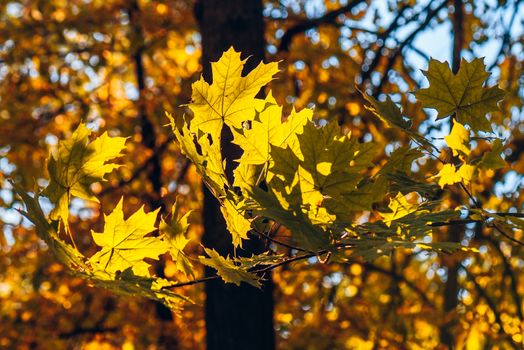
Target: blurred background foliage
118	65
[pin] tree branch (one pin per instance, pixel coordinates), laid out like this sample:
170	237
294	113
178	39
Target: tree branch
393	57
301	27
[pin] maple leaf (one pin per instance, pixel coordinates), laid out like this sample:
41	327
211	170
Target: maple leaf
126	283
227	269
48	231
458	139
267	129
328	167
400	207
124	242
307	189
76	164
388	112
492	159
463	93
130	284
236	223
174	235
449	175
207	157
229	99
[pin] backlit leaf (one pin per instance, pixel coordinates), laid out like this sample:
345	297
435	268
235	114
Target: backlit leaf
124	243
174	232
463	93
77	163
449	175
458	139
492	159
227	269
229	99
399	207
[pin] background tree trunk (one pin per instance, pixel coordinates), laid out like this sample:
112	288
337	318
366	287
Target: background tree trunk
236	317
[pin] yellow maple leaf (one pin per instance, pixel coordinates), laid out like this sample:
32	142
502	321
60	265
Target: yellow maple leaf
400	207
229	99
174	234
449	175
124	242
267	129
76	164
458	139
236	223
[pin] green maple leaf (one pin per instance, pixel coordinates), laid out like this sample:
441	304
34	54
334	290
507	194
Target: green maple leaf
492	159
124	242
228	270
327	169
76	164
174	234
463	93
309	187
229	99
388	112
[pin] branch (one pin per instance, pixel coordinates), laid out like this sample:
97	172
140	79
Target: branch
393	57
301	27
504	47
365	74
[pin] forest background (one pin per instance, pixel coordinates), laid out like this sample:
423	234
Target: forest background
118	65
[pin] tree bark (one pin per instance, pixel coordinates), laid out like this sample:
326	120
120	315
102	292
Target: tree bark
236	317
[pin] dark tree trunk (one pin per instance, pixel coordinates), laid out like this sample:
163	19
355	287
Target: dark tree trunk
455	233
236	317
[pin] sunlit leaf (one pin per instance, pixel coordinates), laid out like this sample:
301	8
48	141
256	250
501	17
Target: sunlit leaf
458	139
399	207
174	232
227	269
229	99
77	163
124	243
449	174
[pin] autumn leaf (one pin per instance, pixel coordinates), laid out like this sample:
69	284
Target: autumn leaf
463	93
327	169
449	175
124	242
267	129
229	99
388	112
174	234
77	163
492	159
227	270
206	157
399	207
47	230
126	283
236	223
458	139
